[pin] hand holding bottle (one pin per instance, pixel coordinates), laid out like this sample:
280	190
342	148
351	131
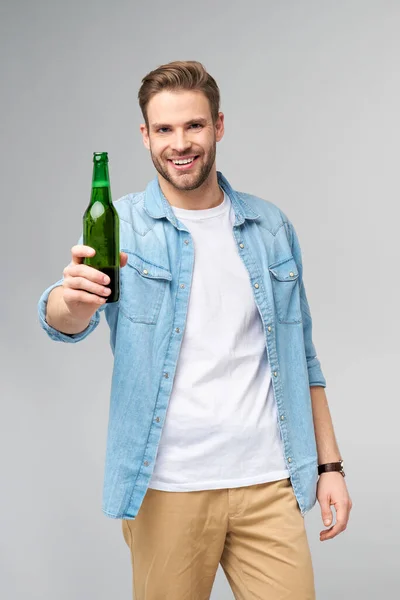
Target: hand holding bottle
92	277
84	288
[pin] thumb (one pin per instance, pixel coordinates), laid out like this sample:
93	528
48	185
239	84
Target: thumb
326	513
123	259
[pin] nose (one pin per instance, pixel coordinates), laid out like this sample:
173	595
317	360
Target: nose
181	142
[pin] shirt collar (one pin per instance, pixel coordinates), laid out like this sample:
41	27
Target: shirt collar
157	206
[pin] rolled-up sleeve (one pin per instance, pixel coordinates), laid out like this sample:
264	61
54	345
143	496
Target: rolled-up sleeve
56	335
315	374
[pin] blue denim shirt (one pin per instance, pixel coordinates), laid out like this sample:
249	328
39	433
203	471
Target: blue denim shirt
147	325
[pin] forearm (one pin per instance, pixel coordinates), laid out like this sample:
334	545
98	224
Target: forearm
59	317
327	447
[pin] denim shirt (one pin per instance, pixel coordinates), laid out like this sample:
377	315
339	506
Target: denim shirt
147	325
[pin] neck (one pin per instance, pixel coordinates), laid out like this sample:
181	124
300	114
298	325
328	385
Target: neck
208	195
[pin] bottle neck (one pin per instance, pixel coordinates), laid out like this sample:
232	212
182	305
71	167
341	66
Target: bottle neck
101	183
101	177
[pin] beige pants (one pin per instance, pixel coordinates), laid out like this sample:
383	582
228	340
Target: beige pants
256	533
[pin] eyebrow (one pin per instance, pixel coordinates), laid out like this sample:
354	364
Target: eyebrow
201	121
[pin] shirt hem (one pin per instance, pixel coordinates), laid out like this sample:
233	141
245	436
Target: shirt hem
215	485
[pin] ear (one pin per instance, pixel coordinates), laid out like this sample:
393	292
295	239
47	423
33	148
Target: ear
220	127
145	136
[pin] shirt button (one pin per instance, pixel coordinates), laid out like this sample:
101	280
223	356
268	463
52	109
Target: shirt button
275	373
289	459
145	271
158	419
182	285
282	417
146	463
177	330
291	274
269	327
256	285
166	375
186	242
241	245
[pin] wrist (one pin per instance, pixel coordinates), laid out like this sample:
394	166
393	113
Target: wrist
331	467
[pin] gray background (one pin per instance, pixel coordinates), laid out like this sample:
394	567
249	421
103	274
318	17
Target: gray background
310	92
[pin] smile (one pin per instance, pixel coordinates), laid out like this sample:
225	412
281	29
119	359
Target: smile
183	164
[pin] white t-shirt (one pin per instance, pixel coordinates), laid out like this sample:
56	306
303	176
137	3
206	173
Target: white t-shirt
221	427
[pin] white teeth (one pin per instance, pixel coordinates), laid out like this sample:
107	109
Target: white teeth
183	162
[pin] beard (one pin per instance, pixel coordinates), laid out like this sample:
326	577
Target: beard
186	181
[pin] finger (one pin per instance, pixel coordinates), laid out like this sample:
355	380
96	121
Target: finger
81	283
86	271
342	516
326	511
333	531
123	259
80	296
80	251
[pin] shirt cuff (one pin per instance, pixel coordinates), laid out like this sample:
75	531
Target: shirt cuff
315	375
56	335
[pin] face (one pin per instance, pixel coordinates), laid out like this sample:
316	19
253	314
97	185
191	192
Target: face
182	137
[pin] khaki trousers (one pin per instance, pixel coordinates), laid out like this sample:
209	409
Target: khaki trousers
256	533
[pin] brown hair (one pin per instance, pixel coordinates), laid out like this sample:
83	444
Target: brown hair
179	75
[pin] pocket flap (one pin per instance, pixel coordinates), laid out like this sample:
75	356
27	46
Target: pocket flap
146	268
285	271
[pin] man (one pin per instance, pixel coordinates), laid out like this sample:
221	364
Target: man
219	419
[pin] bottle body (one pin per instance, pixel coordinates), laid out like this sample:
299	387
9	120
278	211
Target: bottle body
101	227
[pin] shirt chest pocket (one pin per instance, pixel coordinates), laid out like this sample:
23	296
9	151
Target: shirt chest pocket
286	289
143	286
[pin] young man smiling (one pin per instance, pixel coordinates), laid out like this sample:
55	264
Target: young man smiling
219	423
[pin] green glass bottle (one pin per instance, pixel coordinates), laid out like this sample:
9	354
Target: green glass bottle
101	226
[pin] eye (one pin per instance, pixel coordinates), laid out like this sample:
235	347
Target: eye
195	125
163	129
